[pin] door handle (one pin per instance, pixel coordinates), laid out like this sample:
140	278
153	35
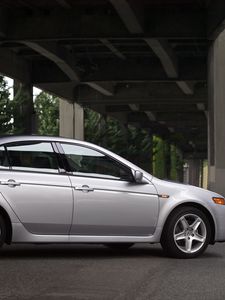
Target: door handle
10	183
84	188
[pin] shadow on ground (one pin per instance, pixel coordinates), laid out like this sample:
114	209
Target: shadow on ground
66	251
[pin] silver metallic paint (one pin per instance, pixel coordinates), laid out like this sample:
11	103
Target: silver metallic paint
114	207
58	184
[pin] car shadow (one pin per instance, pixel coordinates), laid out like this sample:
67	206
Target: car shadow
77	251
82	251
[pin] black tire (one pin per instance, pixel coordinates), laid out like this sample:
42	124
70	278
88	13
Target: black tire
181	219
119	246
2	231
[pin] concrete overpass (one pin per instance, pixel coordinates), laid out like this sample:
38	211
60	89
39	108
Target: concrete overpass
144	62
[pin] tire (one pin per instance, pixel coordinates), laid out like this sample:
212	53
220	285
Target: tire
2	231
119	246
186	233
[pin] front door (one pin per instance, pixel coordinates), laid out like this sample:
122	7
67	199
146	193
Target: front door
107	201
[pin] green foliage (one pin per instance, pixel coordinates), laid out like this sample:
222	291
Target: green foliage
130	142
5	108
19	103
167	160
160	159
176	163
47	109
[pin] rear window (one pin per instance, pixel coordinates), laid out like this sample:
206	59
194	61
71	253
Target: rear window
33	157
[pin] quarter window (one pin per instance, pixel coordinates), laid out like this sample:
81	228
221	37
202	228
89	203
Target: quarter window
88	162
32	156
4	164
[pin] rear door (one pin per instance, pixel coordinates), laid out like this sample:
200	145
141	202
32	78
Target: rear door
31	183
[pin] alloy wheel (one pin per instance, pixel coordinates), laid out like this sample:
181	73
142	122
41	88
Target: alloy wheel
190	233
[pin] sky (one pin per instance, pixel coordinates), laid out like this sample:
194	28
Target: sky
36	91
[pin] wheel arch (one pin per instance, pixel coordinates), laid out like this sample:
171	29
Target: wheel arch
201	208
8	224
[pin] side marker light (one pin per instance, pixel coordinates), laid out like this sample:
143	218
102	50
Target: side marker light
219	200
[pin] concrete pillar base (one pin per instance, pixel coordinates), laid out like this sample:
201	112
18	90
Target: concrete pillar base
216	120
193	176
71	123
217	180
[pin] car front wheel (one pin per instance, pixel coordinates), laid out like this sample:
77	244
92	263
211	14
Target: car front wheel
186	233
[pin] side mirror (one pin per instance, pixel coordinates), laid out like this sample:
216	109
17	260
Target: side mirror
138	176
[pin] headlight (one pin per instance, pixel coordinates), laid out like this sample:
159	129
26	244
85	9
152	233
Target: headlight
219	200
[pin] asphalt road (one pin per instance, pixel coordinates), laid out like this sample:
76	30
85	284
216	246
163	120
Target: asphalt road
95	272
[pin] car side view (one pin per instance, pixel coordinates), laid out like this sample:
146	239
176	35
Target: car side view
57	190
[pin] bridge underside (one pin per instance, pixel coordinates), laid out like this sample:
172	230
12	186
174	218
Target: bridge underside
143	62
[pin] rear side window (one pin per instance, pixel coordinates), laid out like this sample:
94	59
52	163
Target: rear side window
33	157
4	164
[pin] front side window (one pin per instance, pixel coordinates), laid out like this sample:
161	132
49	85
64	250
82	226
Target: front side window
32	156
88	162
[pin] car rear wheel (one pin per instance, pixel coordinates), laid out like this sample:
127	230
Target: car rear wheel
187	233
119	246
2	231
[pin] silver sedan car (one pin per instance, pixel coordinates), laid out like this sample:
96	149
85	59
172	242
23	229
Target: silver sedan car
56	190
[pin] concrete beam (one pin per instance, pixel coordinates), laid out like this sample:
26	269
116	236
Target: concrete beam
13	66
154	100
64	4
112	48
143	100
159	108
137	93
168	59
166	56
58	55
3	22
186	87
127	15
76	24
183	24
105	89
123	70
161	48
134	107
190	69
64	90
65	62
150	115
215	18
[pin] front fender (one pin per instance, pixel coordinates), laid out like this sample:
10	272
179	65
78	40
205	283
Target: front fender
167	206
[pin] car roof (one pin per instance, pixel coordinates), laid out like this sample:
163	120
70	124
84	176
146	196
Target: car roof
19	138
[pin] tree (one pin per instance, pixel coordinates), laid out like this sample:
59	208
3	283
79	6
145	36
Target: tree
5	108
23	108
47	110
133	143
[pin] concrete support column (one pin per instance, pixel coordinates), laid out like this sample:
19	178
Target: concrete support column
24	114
216	115
194	170
71	116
